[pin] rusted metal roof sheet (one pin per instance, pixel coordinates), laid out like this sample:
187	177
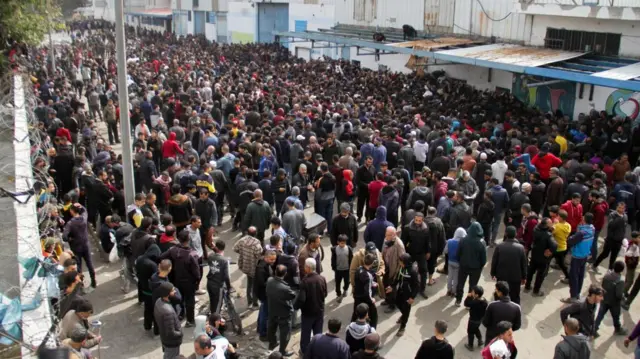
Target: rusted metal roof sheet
433	43
514	54
621	73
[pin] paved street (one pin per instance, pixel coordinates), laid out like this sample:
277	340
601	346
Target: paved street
124	336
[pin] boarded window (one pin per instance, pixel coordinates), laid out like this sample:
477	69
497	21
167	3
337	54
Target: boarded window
572	40
364	10
311	2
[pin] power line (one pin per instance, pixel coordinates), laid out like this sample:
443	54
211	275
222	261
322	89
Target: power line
489	17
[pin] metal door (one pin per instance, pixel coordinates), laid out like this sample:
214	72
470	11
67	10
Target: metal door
199	18
346	53
272	17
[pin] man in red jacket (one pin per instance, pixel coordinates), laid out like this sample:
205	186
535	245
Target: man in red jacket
574	211
529	223
544	161
63	132
374	191
170	147
599	208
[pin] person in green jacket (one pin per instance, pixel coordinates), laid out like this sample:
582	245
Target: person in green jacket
472	254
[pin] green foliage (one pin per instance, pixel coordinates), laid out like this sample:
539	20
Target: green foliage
68	6
26	20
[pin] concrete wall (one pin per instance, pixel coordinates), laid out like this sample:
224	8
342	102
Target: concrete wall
317	17
241	22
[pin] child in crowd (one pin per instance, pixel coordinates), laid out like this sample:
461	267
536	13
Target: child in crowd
341	256
451	250
477	307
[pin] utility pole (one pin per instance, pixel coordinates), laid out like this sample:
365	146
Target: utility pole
52	51
123	100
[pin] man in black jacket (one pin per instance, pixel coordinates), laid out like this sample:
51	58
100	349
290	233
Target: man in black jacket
584	311
279	299
185	274
406	288
509	263
416	238
168	322
146	266
542	250
264	271
616	231
344	223
310	301
364	285
364	175
502	309
148	172
217	277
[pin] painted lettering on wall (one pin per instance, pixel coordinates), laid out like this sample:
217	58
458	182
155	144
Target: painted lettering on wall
556	96
624	103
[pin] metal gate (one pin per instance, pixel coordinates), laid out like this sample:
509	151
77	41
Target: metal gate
199	18
272	17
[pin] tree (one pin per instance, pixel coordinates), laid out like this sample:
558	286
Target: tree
26	20
68	6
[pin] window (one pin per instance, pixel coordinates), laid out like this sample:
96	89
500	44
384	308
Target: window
211	17
189	15
364	10
196	3
573	40
301	25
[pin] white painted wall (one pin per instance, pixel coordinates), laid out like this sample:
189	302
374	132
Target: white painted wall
389	13
210	32
629	44
317	17
242	20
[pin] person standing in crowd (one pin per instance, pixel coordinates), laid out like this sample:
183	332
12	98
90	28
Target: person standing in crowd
279	298
451	255
218	277
437	346
472	254
313	249
345	223
76	233
359	329
341	258
613	286
500	199
542	249
294	221
585	311
168	322
146	267
500	310
328	345
375	230
573	345
310	301
364	285
249	252
185	274
616	230
580	244
371	347
505	333
392	255
561	229
258	214
477	308
415	235
406	288
631	258
509	264
364	176
264	271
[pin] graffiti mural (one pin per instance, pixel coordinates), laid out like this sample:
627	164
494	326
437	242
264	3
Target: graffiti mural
624	103
559	96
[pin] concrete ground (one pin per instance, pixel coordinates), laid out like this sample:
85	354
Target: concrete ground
124	336
541	329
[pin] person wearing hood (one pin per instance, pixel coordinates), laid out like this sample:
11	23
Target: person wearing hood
359	329
189	151
453	261
179	207
390	199
392	255
472	254
420	193
415	235
542	249
375	188
436	347
76	233
348	191
374	232
258	214
185	274
171	148
147	266
573	345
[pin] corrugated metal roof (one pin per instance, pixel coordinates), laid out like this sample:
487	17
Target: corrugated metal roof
621	73
513	54
433	43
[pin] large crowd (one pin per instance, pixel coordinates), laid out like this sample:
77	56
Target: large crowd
434	168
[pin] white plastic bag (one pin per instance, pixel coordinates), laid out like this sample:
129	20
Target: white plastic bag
500	349
113	256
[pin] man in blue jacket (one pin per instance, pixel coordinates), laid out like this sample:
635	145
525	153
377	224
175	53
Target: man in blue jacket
580	244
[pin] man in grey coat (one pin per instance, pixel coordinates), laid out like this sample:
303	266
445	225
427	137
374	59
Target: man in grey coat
280	301
168	321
